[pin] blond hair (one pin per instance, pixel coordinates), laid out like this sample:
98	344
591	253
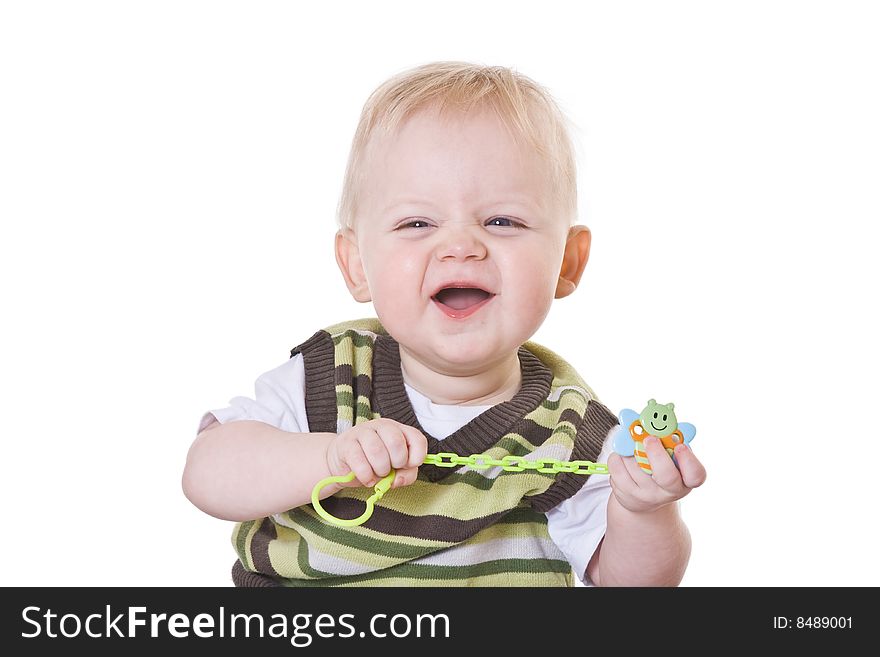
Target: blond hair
525	107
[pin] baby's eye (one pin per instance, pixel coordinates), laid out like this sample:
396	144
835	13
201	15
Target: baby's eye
503	222
414	223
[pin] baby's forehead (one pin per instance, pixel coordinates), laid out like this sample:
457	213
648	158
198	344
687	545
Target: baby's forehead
456	146
436	124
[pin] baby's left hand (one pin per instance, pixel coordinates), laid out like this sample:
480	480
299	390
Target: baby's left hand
641	492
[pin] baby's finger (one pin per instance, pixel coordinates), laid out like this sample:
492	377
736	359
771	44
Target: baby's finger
417	446
395	443
376	453
360	465
693	473
404	477
666	475
640	478
621	478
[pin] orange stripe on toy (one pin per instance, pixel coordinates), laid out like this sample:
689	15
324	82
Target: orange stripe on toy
642	457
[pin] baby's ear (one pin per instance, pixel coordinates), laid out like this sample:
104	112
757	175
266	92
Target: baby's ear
349	260
577	252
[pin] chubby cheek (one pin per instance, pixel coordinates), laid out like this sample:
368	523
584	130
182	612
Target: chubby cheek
395	281
533	303
532	283
390	293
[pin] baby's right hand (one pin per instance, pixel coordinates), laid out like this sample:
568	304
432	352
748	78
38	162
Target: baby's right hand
372	448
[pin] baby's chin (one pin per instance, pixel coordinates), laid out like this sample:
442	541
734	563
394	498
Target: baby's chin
463	353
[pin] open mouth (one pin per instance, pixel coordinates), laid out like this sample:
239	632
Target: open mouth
459	302
461	298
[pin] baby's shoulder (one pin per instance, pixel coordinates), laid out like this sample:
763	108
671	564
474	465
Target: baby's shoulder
565	376
366	325
352	334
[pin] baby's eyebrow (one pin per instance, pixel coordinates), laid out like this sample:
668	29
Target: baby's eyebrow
523	202
407	202
484	208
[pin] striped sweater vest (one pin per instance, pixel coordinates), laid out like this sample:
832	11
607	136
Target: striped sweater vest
453	526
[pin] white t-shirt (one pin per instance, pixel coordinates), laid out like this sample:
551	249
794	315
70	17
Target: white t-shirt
576	525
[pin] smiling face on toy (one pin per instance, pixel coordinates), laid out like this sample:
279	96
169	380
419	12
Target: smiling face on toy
658	419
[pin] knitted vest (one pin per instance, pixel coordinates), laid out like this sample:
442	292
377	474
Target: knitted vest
452	526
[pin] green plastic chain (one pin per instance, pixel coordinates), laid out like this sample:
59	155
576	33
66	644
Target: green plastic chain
450	460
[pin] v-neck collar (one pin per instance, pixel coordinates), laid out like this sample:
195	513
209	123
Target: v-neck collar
477	435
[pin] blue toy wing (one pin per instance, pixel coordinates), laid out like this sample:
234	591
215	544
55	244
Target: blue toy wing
623	442
627	416
688	431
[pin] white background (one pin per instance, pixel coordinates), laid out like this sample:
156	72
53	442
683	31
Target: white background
169	173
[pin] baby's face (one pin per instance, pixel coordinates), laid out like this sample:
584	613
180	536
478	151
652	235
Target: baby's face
454	202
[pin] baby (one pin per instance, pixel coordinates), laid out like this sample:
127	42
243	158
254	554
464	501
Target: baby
457	223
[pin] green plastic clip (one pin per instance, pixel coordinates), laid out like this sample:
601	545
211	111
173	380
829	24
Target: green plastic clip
382	487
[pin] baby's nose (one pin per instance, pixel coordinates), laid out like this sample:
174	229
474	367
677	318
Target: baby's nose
461	244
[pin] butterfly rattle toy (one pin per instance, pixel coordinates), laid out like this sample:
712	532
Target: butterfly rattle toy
655	420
